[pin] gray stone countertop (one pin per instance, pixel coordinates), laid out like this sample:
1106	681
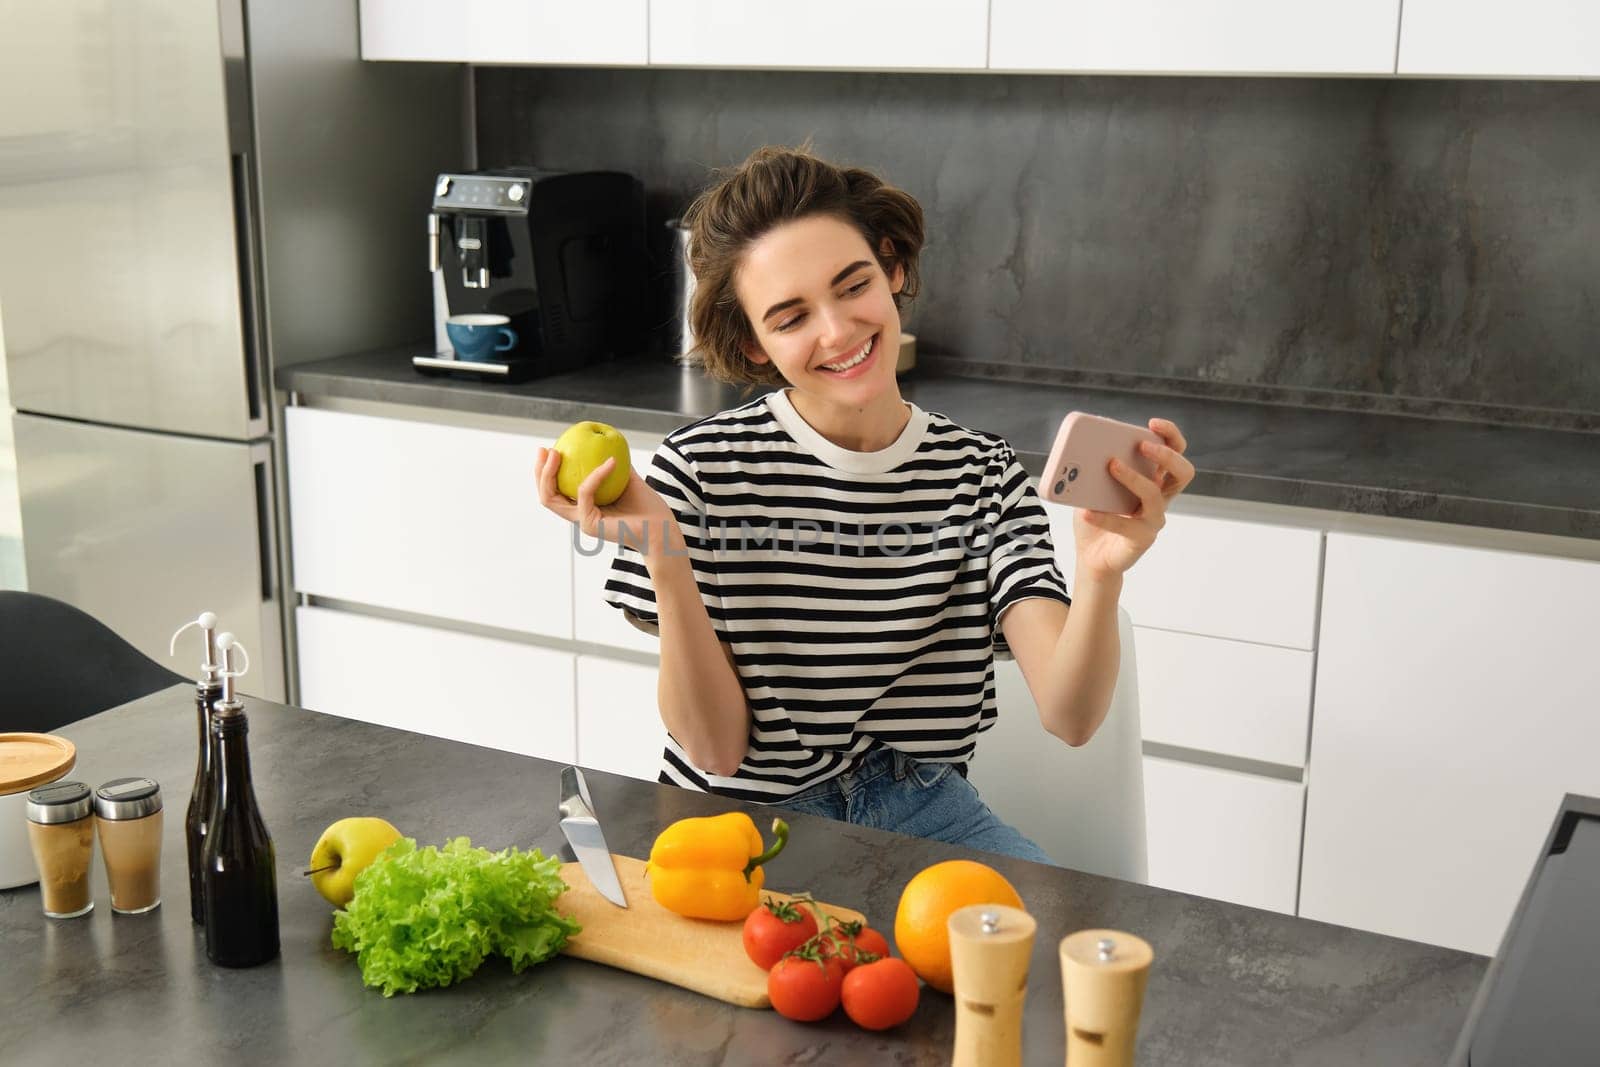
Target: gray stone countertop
1230	985
1474	474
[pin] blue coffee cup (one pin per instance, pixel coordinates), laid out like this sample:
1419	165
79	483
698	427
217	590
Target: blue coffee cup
476	337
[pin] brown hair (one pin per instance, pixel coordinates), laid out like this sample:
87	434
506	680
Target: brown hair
773	186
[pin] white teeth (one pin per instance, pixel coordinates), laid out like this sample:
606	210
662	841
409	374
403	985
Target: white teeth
856	361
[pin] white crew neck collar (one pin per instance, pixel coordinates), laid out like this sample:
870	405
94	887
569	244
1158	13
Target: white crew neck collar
880	462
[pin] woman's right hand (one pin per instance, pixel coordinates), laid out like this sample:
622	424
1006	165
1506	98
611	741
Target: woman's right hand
638	513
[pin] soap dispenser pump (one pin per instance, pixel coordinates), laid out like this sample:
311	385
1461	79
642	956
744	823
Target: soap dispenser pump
239	864
207	691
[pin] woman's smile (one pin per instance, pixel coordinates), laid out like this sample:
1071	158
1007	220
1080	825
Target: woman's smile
854	363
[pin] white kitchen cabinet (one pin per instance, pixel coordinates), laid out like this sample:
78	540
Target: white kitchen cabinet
595	32
1228	697
1455	704
1183	37
619	721
1245	581
823	34
1222	834
481	690
1526	39
436	520
593	620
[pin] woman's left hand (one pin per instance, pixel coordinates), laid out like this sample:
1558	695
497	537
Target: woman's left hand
1108	544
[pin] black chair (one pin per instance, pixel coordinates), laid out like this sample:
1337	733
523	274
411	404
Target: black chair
59	664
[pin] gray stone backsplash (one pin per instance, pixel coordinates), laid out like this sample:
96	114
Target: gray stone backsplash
1360	239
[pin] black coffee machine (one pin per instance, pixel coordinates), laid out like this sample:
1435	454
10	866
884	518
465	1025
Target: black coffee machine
561	255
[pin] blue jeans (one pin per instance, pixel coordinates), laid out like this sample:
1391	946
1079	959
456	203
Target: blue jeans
889	790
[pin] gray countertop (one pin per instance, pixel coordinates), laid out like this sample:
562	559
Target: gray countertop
1533	480
1230	985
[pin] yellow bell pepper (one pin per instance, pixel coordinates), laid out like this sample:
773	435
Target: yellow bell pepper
710	868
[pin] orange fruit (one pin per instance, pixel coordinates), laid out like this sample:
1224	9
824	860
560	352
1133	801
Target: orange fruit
920	929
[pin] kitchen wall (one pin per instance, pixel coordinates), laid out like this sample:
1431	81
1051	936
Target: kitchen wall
1422	245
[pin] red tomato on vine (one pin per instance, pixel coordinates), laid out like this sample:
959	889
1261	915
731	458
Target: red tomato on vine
776	928
805	990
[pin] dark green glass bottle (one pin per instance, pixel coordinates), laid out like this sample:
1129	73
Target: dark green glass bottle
240	878
200	799
207	691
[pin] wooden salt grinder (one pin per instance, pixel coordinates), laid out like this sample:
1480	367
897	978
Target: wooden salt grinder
989	949
1103	974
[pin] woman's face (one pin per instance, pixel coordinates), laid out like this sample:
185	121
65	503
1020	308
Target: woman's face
822	310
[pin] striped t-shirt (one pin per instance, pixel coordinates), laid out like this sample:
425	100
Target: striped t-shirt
860	592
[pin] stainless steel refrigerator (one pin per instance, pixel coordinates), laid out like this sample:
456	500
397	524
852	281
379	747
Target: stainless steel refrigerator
192	193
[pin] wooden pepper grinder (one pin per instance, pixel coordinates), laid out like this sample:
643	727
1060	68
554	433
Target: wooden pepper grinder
1103	974
989	949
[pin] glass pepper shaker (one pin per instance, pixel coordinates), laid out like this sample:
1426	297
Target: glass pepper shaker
128	811
61	834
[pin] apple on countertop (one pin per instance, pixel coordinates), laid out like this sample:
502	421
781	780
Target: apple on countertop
344	850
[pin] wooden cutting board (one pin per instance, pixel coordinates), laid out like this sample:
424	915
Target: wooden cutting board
645	938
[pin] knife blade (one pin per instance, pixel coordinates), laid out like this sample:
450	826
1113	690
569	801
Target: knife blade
578	822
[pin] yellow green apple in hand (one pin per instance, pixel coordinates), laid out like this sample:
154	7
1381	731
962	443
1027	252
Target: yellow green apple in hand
583	447
344	850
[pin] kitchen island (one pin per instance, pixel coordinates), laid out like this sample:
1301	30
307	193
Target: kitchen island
1230	985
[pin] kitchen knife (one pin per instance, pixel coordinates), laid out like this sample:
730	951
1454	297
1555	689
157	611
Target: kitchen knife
583	834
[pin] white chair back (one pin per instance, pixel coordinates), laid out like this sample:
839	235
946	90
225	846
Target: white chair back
1084	806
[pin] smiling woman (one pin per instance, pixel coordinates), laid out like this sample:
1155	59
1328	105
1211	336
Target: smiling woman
776	186
828	337
837	568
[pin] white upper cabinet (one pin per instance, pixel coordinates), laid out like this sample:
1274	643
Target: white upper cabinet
1184	37
838	34
1530	38
1493	38
594	32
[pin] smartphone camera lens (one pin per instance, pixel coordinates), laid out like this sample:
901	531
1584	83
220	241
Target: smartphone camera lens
1061	486
1072	474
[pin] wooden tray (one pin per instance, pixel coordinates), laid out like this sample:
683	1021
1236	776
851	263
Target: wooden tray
645	938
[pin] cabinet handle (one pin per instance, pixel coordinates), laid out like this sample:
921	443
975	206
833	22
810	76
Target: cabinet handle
249	280
264	536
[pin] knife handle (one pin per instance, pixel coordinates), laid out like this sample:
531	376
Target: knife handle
574	795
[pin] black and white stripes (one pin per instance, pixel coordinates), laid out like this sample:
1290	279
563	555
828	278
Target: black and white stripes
860	593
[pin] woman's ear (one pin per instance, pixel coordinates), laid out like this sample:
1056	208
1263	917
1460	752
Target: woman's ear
753	353
897	273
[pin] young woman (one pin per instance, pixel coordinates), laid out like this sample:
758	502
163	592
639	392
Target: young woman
832	570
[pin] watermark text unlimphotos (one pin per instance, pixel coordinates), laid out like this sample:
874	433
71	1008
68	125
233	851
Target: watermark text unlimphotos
974	538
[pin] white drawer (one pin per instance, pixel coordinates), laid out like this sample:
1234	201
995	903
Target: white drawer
1222	834
481	690
1224	696
592	618
619	720
1243	580
437	520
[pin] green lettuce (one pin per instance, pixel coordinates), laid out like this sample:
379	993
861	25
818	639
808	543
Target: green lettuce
429	917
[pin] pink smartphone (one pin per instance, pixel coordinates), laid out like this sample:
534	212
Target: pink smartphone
1076	473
